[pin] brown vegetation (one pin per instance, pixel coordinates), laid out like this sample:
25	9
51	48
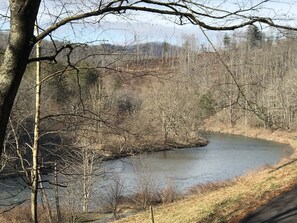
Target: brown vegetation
96	112
230	201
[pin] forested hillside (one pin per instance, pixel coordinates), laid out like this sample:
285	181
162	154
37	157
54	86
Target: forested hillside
257	82
119	99
105	101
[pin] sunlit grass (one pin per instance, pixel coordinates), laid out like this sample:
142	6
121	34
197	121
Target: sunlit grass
233	200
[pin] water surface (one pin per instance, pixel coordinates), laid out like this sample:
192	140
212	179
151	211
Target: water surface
225	157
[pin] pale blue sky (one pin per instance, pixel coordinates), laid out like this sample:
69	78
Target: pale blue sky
147	27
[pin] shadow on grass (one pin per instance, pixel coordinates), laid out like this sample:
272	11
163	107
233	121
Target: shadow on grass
280	210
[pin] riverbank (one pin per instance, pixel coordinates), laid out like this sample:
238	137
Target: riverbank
237	198
279	136
114	153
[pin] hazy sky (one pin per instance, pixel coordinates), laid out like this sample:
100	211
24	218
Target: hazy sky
145	27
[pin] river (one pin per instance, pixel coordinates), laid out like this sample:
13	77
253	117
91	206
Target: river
225	157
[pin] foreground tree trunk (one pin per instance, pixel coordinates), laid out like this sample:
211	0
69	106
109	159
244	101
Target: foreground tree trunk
20	43
35	165
24	12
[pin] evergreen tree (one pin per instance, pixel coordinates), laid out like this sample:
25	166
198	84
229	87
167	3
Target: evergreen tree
254	36
227	41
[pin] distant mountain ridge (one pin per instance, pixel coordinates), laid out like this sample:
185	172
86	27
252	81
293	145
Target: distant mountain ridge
142	50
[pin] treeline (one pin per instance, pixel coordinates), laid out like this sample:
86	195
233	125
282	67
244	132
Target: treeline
97	104
119	104
251	79
101	102
265	71
111	98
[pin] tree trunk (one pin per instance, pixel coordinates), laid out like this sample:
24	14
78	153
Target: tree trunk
22	18
35	165
85	182
45	199
59	215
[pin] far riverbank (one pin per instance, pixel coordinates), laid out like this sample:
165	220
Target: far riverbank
115	153
239	197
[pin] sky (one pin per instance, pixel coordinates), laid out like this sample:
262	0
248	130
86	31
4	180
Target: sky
145	27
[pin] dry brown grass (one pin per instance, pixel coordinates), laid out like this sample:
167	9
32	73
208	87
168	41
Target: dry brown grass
225	201
230	201
209	187
22	214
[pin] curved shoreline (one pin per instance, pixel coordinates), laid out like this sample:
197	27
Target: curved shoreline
200	142
234	200
243	195
278	136
130	151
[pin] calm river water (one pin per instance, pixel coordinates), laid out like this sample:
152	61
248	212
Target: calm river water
225	157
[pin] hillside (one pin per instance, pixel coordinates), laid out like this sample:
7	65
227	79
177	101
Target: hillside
232	200
103	102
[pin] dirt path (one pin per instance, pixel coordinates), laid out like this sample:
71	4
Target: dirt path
280	210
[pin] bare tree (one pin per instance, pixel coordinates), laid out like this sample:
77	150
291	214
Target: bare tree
22	16
146	185
113	193
35	148
82	172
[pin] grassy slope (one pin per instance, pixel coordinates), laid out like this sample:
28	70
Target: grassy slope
232	202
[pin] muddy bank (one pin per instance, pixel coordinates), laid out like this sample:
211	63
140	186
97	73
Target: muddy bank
115	153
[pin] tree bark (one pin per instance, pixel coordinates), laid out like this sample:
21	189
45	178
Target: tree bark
57	200
21	40
24	12
35	164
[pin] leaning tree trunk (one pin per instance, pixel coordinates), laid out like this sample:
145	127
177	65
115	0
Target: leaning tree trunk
21	40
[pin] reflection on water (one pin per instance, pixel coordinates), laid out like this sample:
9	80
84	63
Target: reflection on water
225	157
